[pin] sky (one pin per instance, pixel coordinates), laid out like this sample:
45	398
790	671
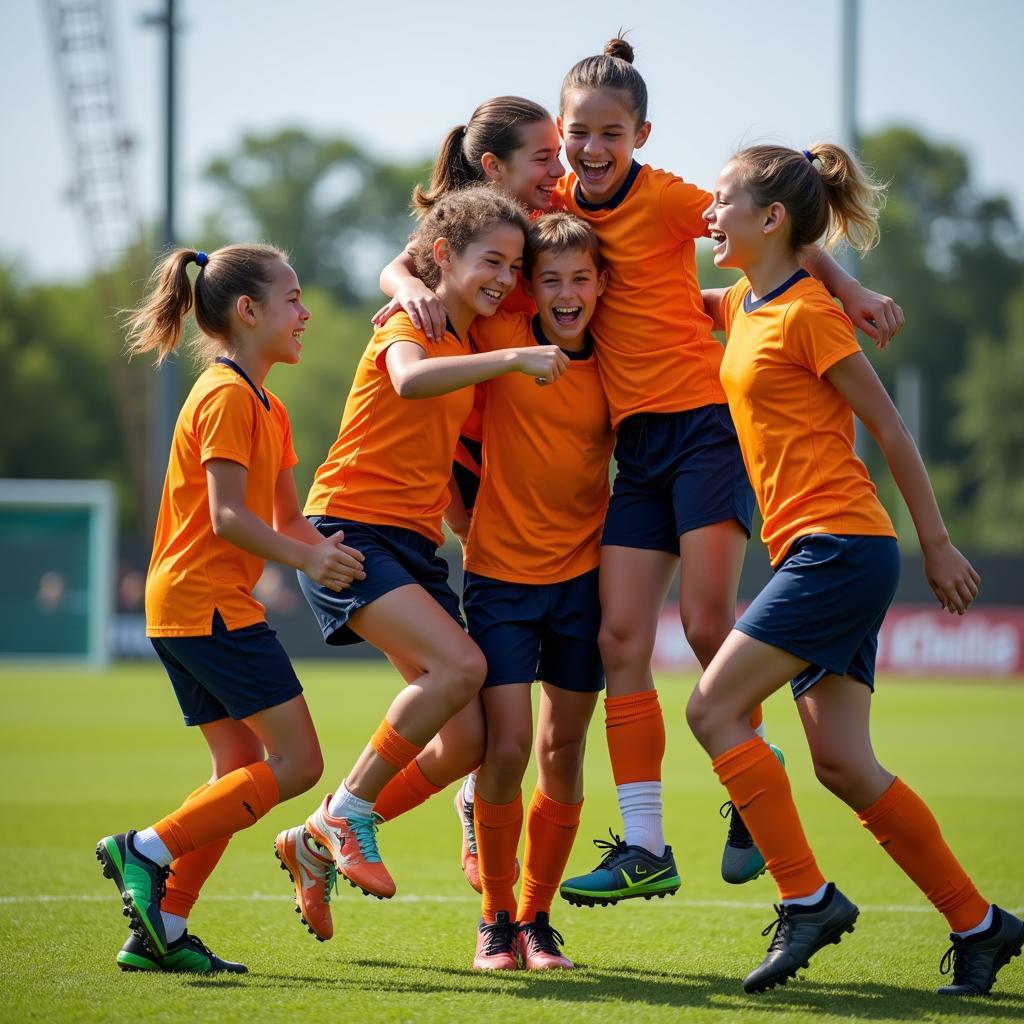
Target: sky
395	75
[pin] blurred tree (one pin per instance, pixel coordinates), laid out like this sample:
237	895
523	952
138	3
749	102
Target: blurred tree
337	210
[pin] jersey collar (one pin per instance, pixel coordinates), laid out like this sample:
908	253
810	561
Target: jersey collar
616	200
541	338
261	395
750	305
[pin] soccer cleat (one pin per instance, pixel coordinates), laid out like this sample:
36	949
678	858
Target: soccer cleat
314	876
799	933
186	955
496	944
352	843
975	960
538	946
470	857
142	884
625	873
741	859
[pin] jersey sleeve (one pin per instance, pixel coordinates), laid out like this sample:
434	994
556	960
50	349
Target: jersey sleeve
818	335
682	207
224	425
502	330
398	328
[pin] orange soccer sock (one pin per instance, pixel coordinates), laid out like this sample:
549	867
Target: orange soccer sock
392	747
408	789
901	822
636	736
498	827
759	789
190	872
225	807
551	829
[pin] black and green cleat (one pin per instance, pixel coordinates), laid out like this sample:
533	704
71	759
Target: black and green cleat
142	884
186	955
742	861
625	873
976	960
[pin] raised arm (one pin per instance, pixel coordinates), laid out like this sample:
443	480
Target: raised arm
426	311
951	577
878	316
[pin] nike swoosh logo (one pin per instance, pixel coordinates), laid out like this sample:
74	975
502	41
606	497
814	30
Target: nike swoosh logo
248	807
630	884
743	807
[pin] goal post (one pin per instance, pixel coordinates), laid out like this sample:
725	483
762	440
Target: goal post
57	551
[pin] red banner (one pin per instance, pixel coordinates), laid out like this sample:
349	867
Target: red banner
915	640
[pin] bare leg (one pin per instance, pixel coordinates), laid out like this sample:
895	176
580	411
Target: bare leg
561	741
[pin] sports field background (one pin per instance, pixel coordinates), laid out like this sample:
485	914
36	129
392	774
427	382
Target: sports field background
85	754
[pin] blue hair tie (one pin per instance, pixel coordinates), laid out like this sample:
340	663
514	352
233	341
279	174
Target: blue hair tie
810	156
202	259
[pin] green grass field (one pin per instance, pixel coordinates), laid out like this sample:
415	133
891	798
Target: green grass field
86	754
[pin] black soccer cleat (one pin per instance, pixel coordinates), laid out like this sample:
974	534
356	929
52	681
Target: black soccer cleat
976	960
799	933
186	955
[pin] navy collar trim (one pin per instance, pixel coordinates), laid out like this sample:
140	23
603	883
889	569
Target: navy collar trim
541	338
241	373
750	305
450	327
616	200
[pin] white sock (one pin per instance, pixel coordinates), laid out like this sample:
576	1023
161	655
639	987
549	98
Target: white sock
174	926
760	729
807	901
986	922
640	806
469	788
151	846
344	805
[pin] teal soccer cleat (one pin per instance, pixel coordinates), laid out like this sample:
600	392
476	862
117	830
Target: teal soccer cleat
625	873
741	859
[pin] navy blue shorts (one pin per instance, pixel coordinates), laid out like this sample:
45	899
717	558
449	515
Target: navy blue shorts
232	673
677	472
531	631
466	480
825	604
393	557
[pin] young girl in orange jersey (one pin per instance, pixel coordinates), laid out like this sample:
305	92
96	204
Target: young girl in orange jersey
795	377
228	503
680	495
385	483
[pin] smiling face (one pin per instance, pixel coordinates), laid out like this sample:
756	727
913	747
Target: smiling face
601	133
737	225
531	171
479	277
566	287
280	319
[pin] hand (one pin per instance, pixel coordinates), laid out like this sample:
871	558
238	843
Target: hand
424	309
952	578
334	564
871	312
545	363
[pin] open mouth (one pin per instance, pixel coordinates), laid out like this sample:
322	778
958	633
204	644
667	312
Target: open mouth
718	237
566	316
594	171
493	294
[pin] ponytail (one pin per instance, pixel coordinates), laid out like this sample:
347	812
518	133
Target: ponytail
493	128
224	276
828	196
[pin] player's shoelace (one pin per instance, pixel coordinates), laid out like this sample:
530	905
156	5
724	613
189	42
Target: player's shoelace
195	943
469	827
739	834
501	937
953	961
365	831
615	848
782	924
543	938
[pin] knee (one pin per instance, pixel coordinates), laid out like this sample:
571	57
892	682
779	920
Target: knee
700	716
507	756
561	755
464	675
240	756
705	630
297	774
848	781
621	645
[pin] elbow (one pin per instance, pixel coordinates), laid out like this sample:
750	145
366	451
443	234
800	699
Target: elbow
222	519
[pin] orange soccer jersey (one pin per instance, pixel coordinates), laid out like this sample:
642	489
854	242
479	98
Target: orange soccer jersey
795	430
544	486
193	572
392	460
653	337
